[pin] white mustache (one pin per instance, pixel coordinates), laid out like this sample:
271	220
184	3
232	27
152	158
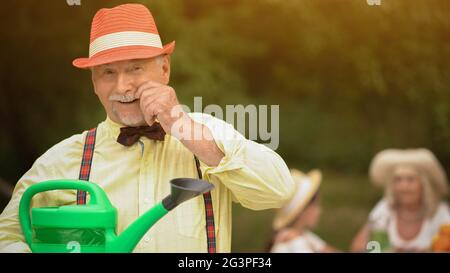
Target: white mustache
122	98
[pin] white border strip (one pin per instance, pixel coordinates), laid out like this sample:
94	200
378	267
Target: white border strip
125	38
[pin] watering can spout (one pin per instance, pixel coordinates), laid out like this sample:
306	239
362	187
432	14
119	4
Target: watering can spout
182	189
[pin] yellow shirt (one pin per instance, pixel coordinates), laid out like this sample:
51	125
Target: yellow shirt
137	177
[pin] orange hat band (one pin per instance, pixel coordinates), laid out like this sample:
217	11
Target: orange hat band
125	38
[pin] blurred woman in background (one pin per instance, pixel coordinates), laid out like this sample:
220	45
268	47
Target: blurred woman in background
412	210
293	222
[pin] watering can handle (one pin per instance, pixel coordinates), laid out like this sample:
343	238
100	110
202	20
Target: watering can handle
98	196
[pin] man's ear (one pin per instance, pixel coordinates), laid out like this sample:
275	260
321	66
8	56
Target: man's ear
166	68
93	79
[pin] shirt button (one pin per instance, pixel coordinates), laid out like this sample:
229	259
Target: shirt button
147	239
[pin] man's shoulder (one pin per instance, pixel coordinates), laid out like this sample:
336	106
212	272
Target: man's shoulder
69	148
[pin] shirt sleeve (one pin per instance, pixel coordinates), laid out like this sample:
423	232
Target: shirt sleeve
441	216
281	248
316	242
297	245
58	162
379	216
11	235
257	177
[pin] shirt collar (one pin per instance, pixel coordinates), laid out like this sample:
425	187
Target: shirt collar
111	127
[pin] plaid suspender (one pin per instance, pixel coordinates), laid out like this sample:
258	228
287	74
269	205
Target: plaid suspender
86	163
209	212
85	170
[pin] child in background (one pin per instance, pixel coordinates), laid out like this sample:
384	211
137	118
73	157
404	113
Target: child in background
293	222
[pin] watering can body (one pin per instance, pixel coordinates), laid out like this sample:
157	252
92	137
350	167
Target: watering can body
91	228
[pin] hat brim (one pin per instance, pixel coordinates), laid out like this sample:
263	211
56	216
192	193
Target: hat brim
300	199
122	54
384	163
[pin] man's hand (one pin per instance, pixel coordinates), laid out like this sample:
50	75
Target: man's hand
158	101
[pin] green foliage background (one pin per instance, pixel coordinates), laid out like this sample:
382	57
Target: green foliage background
350	79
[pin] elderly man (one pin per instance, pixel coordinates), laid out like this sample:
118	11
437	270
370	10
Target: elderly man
147	140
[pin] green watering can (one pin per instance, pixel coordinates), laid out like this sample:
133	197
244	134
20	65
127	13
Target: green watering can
91	227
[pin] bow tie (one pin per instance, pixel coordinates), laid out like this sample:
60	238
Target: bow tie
130	135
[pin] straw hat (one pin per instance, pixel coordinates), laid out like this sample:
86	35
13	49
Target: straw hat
306	186
422	160
122	33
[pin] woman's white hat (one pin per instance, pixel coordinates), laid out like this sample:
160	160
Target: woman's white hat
422	160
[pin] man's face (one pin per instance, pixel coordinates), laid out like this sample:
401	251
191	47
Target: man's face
117	83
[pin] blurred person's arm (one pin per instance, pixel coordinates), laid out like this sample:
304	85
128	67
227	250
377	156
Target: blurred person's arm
257	177
359	243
